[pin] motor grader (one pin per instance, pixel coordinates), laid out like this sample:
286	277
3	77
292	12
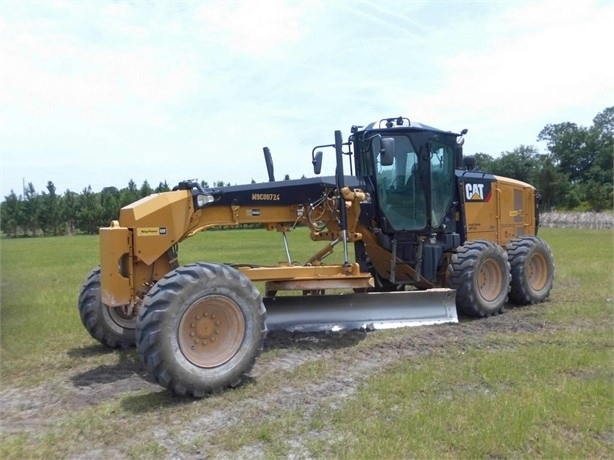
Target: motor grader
431	234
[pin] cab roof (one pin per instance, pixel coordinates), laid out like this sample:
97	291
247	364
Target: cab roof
401	123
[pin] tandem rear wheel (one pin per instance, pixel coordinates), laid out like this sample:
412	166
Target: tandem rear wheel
480	273
112	326
532	266
200	329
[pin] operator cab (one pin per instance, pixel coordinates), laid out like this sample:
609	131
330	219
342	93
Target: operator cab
408	171
415	183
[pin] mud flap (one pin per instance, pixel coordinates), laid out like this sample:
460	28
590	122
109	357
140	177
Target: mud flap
374	310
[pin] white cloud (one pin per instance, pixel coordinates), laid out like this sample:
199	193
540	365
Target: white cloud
101	92
548	62
259	29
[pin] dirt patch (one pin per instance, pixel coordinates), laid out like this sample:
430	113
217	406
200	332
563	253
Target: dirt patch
346	357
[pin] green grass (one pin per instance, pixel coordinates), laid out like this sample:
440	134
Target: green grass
256	246
40	279
547	391
537	400
551	395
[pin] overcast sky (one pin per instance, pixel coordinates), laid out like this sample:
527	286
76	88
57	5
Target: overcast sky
98	93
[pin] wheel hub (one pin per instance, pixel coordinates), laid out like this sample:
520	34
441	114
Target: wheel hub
537	272
489	280
211	331
123	316
205	328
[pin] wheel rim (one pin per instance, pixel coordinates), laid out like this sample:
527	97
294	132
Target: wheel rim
489	280
537	272
211	331
121	317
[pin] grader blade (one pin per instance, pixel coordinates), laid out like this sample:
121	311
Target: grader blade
375	310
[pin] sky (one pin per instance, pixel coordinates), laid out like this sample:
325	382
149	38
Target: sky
98	93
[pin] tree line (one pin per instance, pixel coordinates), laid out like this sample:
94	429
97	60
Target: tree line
576	173
50	213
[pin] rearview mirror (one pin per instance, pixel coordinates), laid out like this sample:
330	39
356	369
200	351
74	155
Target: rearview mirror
387	151
317	162
384	148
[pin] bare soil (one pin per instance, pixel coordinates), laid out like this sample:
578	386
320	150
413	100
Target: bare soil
346	357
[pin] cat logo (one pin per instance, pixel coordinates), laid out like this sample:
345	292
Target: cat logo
477	192
474	192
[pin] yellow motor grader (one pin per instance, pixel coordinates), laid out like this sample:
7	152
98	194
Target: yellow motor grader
431	234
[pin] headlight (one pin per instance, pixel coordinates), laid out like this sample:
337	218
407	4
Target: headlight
202	200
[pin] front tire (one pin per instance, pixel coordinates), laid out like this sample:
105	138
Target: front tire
480	274
200	329
532	265
111	326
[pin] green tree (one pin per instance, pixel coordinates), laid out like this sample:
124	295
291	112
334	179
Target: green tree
567	144
129	195
146	190
50	213
585	156
109	202
90	213
599	186
70	208
32	209
522	163
483	161
604	124
597	193
162	187
10	211
553	186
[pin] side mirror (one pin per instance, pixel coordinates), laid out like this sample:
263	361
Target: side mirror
387	151
317	162
384	147
460	140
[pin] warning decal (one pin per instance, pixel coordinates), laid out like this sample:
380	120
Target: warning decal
151	231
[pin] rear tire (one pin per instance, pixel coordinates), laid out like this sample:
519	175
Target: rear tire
480	274
110	326
532	265
200	329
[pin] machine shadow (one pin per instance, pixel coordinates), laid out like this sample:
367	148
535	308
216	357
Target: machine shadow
127	366
152	401
90	351
135	384
137	389
282	340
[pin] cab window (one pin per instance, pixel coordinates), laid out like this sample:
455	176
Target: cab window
442	181
399	188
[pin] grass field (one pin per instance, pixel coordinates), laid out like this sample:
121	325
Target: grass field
534	382
41	277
